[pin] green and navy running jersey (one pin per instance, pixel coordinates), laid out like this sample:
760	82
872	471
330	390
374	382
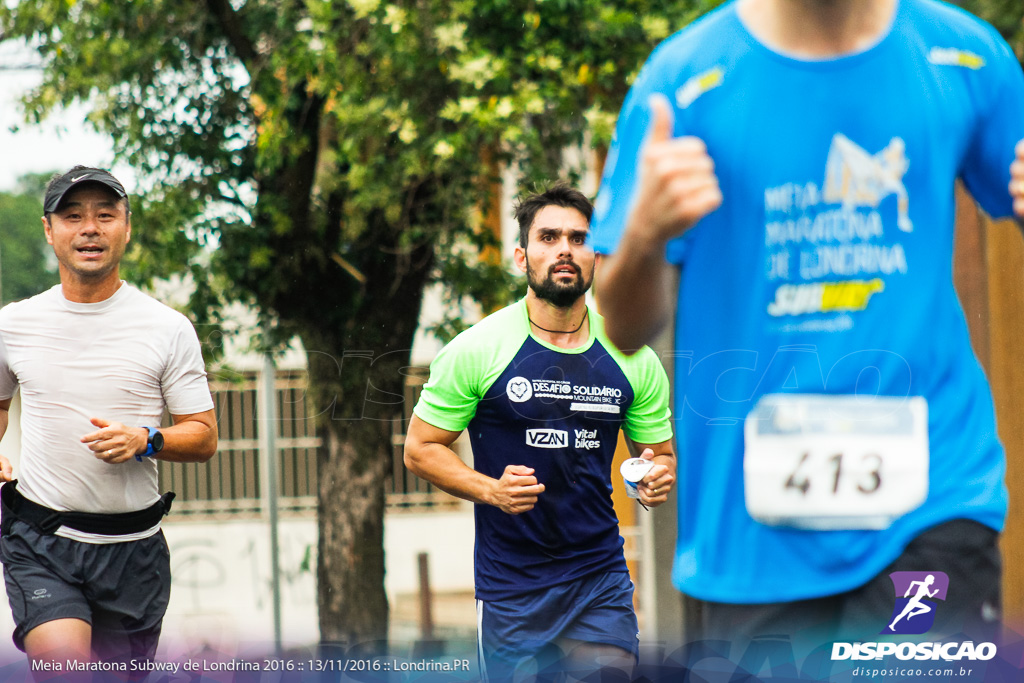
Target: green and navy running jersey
559	411
827	270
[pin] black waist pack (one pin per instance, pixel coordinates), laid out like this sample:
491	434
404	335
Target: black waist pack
15	506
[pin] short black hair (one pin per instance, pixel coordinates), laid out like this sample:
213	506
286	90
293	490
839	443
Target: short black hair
559	194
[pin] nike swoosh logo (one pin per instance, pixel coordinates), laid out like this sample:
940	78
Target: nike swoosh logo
75	180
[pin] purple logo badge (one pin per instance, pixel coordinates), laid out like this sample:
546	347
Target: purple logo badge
916	596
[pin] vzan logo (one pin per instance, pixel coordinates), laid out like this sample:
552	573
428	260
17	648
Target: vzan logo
519	389
547	438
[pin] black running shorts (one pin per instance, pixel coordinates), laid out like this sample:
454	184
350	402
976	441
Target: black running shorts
121	589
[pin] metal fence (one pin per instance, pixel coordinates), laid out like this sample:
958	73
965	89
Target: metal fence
230	484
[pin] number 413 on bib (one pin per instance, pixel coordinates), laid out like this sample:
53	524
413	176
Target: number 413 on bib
835	462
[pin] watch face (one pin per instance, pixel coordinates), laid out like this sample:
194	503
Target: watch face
158	442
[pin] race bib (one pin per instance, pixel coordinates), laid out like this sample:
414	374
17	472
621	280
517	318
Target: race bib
835	462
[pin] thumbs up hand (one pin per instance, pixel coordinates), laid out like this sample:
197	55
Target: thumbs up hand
677	184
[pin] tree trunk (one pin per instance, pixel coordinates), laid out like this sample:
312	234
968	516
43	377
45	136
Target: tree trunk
357	388
352	465
357	324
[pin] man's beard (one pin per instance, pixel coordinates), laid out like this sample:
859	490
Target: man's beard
557	294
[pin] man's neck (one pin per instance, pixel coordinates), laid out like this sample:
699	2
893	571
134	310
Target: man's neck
88	292
566	328
818	29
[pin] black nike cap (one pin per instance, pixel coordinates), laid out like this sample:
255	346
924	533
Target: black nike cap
60	186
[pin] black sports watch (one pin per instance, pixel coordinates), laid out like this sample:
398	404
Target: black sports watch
154	444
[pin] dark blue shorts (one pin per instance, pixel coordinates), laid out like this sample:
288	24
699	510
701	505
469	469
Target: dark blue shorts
524	631
120	589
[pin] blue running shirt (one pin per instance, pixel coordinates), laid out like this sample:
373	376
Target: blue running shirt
827	270
558	411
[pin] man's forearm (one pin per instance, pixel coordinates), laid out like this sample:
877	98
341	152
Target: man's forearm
443	468
6	473
632	291
193	438
5	415
188	442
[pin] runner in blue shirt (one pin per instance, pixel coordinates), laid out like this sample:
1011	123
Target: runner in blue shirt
796	161
543	395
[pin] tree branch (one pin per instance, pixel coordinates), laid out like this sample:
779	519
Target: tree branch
233	200
232	27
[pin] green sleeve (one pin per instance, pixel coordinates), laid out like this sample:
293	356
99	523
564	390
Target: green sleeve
450	396
467	367
648	419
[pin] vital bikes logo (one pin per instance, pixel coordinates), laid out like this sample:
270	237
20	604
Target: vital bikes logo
917	601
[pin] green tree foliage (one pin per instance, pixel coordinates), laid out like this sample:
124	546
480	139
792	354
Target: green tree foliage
25	257
325	160
1006	15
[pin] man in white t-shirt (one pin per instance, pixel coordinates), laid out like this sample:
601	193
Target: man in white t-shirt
97	363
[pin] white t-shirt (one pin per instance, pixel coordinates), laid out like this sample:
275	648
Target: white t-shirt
122	360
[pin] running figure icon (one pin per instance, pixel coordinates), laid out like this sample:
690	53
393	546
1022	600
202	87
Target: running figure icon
915	607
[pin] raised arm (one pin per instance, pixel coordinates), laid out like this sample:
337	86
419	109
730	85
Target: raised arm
429	455
633	288
676	187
